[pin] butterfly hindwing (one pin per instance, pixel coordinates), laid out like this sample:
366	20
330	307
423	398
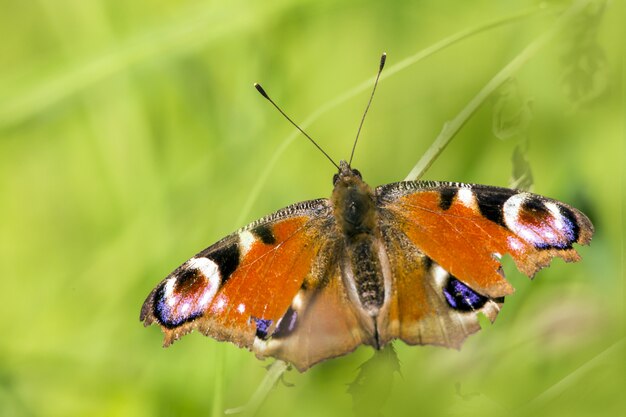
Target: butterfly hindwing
239	288
427	305
322	323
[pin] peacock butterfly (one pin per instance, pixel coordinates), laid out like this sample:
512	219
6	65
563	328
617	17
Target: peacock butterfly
414	260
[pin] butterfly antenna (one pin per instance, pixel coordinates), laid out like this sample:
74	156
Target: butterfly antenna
383	58
264	94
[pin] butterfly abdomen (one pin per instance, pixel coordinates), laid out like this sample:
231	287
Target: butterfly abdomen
367	274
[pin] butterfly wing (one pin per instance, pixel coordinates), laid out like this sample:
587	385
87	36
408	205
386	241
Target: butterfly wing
444	241
244	284
321	323
427	306
274	287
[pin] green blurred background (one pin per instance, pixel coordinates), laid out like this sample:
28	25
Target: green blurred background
131	138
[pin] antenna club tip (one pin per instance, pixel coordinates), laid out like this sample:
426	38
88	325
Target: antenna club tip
261	90
383	58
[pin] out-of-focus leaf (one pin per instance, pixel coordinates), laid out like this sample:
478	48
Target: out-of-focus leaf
585	73
522	175
372	386
472	403
512	112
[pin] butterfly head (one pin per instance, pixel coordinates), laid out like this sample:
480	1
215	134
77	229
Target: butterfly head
346	174
353	201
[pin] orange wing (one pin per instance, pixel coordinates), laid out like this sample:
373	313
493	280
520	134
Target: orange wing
239	288
466	228
444	241
321	323
428	306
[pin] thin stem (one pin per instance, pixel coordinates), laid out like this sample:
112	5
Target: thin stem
218	388
274	373
562	385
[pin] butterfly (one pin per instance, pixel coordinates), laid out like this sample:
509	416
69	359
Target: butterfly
415	260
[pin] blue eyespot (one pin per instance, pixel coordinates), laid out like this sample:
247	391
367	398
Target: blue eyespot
461	297
262	327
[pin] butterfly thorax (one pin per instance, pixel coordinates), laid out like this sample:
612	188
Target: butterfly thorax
354	207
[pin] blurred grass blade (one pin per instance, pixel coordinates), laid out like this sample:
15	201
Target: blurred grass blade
451	128
557	389
275	371
191	30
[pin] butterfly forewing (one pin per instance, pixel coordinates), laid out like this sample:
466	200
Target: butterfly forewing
467	228
241	287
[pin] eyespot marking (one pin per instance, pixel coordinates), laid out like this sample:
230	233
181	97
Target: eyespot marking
186	294
543	224
262	328
461	297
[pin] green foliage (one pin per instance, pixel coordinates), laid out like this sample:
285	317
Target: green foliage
131	137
